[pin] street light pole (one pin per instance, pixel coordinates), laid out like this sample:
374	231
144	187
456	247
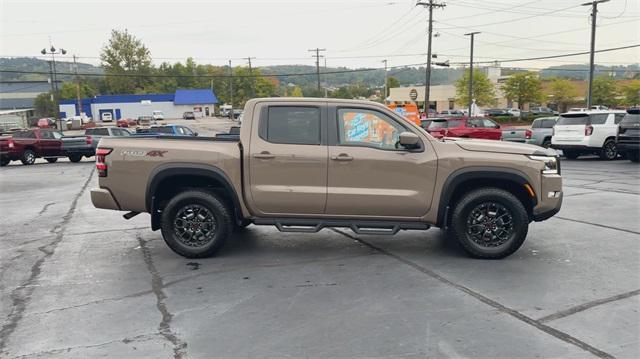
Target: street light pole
386	83
594	12
472	34
54	78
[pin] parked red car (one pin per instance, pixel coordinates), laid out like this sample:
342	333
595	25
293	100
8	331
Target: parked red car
470	127
126	122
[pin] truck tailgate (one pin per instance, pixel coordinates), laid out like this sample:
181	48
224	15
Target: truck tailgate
514	134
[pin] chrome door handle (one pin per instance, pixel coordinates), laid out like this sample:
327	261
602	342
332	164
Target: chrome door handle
264	155
342	157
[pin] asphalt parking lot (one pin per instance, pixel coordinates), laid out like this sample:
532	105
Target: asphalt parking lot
78	282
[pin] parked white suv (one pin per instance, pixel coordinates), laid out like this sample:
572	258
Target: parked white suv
587	132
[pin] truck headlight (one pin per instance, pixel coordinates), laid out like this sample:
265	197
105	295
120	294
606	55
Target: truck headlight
551	165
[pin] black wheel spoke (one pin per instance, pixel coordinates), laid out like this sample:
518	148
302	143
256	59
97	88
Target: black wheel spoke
490	224
194	225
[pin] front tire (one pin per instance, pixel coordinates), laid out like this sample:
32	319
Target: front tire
51	159
28	157
490	223
609	150
195	224
75	158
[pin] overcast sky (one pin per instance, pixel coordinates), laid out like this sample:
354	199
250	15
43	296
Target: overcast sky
356	33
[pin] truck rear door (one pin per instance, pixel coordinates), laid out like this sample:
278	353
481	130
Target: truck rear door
288	159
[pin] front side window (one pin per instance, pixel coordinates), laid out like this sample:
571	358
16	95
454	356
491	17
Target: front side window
46	135
489	123
359	127
56	135
293	125
475	123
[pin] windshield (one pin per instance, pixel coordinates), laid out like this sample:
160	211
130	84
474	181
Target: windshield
631	119
437	125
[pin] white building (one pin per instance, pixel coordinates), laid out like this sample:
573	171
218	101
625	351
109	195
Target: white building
200	101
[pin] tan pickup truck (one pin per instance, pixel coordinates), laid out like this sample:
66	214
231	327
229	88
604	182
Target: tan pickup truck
306	164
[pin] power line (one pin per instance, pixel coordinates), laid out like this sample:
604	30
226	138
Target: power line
312	73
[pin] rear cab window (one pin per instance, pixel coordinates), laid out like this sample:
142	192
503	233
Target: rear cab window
296	125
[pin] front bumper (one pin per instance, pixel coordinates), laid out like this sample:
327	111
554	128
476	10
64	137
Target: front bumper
550	198
102	198
628	146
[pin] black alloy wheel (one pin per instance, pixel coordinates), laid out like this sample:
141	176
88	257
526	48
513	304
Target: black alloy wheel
609	150
194	225
490	224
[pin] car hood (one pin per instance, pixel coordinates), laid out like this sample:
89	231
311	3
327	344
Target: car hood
500	147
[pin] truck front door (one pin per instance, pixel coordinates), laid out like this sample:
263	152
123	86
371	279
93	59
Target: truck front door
370	174
288	159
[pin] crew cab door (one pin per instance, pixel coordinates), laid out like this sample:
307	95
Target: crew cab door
370	174
50	143
288	159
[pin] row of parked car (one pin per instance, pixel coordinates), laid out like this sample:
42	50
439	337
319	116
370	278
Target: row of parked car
606	133
30	144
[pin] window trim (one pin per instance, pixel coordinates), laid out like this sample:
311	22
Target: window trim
263	124
335	136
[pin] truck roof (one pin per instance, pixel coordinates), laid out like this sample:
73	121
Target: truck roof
314	99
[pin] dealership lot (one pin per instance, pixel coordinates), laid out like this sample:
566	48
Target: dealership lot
79	282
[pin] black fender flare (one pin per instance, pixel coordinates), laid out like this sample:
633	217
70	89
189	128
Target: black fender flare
476	172
167	170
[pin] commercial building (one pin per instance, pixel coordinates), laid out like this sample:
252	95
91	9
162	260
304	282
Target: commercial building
21	94
173	105
443	97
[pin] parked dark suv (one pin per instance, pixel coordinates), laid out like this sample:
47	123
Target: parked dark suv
628	138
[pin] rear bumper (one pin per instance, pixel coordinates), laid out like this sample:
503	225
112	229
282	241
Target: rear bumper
84	151
102	198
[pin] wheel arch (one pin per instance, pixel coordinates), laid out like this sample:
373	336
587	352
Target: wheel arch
172	177
467	179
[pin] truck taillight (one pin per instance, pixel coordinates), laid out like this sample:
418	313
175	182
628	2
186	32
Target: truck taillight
11	144
527	134
588	130
101	165
89	140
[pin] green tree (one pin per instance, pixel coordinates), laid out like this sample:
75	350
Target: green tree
631	93
296	92
44	106
68	91
563	92
127	63
604	91
391	83
523	87
483	89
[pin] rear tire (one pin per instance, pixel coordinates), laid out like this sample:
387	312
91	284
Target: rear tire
75	158
609	150
490	223
28	157
195	224
51	159
546	143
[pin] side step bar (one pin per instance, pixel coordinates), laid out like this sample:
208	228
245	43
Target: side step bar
359	227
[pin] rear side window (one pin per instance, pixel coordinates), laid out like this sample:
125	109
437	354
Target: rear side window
162	130
631	119
292	125
455	123
599	119
568	120
476	123
25	134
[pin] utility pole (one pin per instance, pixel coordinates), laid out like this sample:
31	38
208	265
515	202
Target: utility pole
317	56
230	90
427	81
54	78
594	12
472	34
75	67
251	79
386	83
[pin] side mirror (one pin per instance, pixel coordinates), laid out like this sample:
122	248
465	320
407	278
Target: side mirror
409	139
496	126
195	134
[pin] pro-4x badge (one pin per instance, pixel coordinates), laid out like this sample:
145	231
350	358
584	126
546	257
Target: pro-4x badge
156	153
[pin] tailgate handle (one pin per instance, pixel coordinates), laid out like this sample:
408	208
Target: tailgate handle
342	157
265	155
